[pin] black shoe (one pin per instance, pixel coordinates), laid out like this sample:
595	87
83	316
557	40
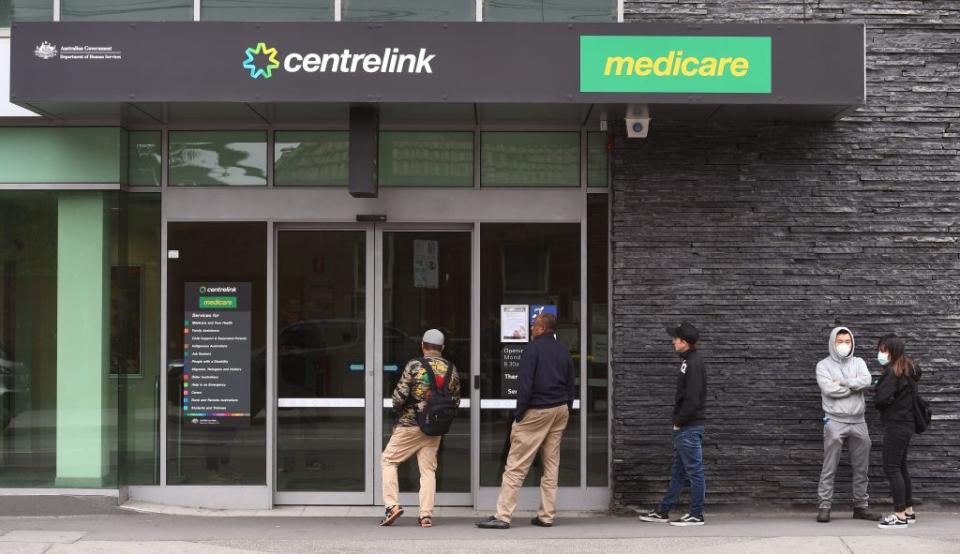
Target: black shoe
492	523
893	521
539	522
823	515
688	520
654	516
865	513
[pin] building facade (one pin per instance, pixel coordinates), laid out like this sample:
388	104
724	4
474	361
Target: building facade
223	230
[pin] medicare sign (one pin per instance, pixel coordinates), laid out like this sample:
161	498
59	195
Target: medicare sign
676	64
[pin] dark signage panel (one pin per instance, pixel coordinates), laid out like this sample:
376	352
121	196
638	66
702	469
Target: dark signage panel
436	62
216	354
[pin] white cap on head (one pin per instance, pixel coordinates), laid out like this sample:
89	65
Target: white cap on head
433	336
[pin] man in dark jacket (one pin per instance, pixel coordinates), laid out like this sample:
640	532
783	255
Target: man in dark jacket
544	400
689	415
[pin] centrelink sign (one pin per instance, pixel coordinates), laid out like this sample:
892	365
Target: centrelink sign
392	60
425	62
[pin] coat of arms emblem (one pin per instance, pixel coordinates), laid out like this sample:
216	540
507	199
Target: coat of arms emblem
45	51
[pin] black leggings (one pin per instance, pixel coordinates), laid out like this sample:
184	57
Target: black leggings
896	444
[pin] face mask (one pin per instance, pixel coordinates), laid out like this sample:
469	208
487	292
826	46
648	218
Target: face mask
843	350
883	358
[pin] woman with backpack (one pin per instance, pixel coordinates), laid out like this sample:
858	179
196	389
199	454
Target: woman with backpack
896	393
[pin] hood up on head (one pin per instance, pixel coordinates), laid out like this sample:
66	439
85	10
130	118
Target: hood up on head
832	345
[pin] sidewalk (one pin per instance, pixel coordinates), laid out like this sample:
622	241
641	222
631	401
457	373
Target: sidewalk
121	530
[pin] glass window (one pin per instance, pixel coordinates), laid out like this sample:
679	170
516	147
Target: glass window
266	10
126	10
550	10
426	159
61	155
321	357
58	424
409	10
310	158
415	298
530	265
597	354
598	159
135	336
226	443
530	159
25	10
144	158
218	158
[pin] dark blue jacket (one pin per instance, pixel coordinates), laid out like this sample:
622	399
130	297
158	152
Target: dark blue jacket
547	375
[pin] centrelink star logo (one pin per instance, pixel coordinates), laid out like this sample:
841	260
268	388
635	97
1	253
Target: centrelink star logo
251	63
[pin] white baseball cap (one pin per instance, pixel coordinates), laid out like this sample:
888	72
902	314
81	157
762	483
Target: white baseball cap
433	336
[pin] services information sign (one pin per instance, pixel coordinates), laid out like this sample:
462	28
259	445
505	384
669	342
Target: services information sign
216	354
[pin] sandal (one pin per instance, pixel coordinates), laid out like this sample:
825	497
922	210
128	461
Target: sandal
425	521
391	513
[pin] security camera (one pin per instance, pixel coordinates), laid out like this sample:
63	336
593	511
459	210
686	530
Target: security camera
637	120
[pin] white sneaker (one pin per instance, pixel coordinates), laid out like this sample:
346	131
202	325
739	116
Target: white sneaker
892	521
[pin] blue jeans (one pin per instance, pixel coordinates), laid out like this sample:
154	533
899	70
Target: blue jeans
687	466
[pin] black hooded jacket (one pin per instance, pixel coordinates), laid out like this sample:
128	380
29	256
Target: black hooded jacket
690	404
894	396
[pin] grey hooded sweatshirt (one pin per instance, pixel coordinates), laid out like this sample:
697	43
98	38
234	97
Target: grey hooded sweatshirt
843	399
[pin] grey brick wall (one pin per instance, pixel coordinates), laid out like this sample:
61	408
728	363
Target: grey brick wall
764	235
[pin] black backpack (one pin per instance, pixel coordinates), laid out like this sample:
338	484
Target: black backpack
440	409
922	412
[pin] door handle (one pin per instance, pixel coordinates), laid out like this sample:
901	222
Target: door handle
476	382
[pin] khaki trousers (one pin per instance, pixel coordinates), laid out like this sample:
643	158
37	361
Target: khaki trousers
540	430
404	443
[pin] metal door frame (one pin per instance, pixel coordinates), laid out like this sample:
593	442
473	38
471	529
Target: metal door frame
371	403
466	388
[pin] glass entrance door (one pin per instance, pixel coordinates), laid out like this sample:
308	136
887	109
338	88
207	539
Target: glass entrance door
352	305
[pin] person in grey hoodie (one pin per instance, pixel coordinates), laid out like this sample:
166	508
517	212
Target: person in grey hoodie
842	378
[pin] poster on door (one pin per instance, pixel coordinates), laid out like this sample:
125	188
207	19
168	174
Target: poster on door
426	265
216	354
514	322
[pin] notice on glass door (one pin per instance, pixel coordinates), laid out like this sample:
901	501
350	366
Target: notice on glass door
216	354
513	322
510	370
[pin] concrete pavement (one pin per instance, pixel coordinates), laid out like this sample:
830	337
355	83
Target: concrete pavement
119	530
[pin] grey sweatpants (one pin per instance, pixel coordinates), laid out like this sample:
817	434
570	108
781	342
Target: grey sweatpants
857	438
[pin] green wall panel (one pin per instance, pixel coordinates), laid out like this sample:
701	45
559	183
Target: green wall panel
62	155
83	345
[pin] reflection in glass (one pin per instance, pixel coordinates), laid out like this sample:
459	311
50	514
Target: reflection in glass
409	10
310	158
597	325
266	10
218	158
426	278
598	159
54	242
321	350
144	158
526	264
216	455
135	318
126	10
426	159
25	10
530	159
550	10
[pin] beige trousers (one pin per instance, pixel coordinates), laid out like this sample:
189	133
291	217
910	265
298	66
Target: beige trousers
540	430
404	443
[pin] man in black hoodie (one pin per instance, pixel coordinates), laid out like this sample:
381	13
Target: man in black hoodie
689	411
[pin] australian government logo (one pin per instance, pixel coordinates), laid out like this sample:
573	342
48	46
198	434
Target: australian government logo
47	51
261	61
